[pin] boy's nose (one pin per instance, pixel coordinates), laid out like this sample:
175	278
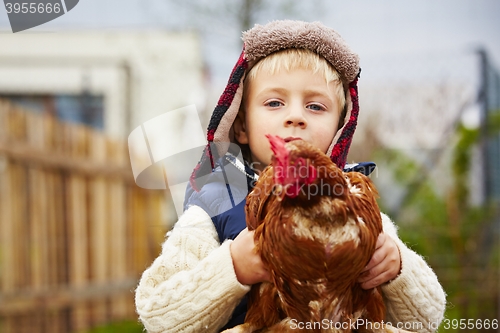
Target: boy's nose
296	118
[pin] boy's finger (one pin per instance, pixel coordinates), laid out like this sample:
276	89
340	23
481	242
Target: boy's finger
377	257
380	241
371	273
370	283
376	281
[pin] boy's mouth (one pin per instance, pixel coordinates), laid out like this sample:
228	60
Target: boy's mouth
291	138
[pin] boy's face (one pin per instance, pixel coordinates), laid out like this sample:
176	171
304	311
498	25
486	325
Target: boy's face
293	104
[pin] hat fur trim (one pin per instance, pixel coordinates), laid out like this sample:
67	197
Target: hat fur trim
262	40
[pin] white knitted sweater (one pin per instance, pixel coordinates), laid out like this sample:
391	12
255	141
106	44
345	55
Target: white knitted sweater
192	286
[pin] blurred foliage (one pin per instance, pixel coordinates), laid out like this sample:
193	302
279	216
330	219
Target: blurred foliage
493	126
119	327
457	239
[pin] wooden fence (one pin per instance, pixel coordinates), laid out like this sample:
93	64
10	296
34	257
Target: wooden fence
75	230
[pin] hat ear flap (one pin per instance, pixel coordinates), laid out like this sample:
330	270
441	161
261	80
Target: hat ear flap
342	141
219	127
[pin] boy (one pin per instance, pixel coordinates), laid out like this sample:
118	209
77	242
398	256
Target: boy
295	80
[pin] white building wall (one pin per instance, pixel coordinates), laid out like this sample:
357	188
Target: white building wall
141	74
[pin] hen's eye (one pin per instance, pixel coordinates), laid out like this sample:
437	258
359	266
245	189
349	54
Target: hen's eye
274	104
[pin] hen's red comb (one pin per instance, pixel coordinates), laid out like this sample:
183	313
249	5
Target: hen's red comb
278	147
281	157
292	177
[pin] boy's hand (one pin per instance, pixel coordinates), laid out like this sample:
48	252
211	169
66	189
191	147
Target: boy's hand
247	263
384	265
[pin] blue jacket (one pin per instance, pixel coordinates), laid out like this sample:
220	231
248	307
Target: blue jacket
226	206
223	202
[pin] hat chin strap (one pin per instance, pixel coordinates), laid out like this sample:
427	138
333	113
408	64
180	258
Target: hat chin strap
342	141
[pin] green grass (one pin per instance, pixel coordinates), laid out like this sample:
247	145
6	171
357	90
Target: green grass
120	327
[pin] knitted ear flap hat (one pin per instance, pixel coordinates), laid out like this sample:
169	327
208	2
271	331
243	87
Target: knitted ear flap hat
259	42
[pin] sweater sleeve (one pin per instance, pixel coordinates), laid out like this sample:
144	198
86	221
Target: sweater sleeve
191	286
414	298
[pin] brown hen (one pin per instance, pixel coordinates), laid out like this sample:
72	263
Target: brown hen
315	228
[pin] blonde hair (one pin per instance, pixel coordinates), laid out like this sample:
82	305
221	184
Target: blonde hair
290	59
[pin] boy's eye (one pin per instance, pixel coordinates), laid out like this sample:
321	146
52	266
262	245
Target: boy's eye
274	104
316	107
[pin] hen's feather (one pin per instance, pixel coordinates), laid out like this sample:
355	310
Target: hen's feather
315	242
